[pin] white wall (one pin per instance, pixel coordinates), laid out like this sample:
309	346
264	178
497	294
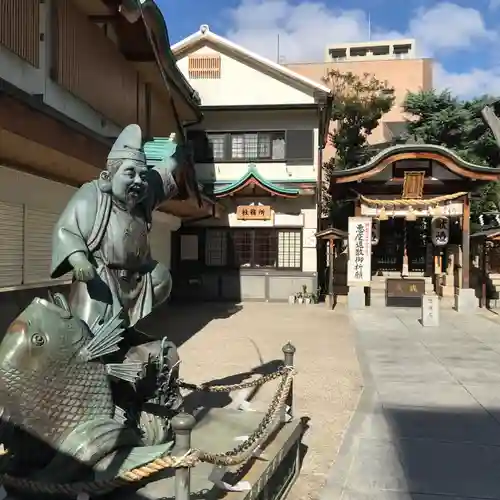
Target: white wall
240	84
36	81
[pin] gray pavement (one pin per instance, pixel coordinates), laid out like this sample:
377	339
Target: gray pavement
428	423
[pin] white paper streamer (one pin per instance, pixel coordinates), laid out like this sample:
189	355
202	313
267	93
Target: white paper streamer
83	496
216	477
245	406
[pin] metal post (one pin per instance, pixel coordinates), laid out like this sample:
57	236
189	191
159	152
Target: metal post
289	352
182	424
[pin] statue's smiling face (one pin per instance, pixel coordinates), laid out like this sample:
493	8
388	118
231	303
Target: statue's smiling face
129	183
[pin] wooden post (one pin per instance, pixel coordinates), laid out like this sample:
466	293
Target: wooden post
289	352
483	302
357	207
182	424
466	242
331	251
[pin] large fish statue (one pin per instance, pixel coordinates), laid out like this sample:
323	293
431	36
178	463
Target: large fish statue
55	387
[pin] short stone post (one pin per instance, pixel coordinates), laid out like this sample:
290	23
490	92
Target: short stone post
182	424
430	310
289	352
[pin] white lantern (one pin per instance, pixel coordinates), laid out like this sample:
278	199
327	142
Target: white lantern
440	231
375	231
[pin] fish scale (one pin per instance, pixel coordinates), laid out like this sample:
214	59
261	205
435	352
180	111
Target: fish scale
78	392
54	385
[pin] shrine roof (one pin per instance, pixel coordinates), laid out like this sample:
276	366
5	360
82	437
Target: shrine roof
252	177
449	159
489	234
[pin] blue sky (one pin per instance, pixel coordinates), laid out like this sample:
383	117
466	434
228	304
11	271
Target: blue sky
463	36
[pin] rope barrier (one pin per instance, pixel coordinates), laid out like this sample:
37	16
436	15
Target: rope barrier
237	456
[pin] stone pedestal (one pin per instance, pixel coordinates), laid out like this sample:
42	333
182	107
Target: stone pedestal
356	297
466	300
430	310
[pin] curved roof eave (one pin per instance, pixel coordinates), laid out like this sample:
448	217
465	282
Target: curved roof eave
168	60
253	177
405	151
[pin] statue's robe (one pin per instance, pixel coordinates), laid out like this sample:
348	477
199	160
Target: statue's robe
116	242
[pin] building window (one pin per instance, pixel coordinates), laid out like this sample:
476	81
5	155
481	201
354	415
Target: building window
292	146
216	144
266	248
216	248
254	248
289	249
241	243
257	146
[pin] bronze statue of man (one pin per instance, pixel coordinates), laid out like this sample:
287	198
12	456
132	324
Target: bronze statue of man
102	236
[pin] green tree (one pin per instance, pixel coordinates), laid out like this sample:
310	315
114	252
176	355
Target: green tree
442	119
359	102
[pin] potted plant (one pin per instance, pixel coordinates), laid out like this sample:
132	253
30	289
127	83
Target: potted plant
299	298
306	295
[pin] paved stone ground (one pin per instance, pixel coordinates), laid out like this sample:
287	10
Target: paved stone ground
222	341
428	423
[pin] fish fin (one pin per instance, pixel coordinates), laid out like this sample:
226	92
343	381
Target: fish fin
120	415
106	338
128	371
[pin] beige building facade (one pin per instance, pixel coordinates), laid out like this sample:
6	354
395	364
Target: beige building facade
394	61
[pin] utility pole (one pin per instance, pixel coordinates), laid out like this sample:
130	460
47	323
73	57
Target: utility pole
278	49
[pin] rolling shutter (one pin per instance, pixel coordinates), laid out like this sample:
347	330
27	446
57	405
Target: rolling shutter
11	244
38	245
160	239
300	147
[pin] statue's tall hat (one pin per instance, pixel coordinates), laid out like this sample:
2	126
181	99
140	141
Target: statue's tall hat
128	145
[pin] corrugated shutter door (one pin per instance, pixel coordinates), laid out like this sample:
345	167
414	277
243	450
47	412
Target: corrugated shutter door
11	244
299	147
38	245
160	240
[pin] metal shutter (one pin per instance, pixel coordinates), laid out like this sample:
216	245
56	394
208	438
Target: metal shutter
299	147
38	245
11	244
160	239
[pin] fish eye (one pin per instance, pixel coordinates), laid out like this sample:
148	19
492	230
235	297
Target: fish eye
37	340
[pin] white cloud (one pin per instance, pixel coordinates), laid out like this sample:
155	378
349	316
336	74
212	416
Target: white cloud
448	27
475	82
305	29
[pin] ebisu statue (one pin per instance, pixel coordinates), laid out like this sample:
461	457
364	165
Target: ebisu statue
77	375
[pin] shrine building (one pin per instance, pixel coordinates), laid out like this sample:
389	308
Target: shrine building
409	233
